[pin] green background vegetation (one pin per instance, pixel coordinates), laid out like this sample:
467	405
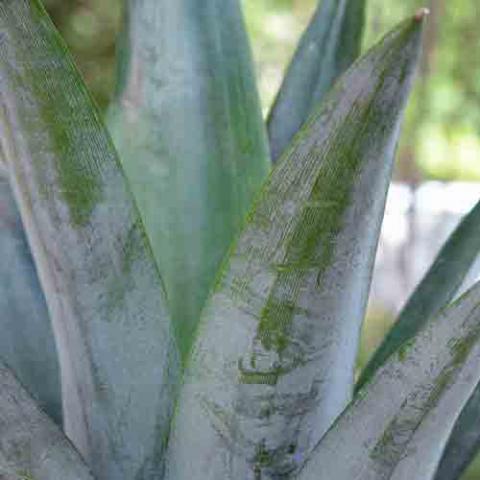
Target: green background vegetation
441	135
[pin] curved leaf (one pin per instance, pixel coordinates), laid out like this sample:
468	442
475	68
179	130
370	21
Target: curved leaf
437	289
277	341
464	442
117	354
188	126
32	446
26	339
330	44
398	425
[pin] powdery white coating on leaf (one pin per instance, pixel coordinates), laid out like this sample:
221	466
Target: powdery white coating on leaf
438	287
26	339
401	420
117	354
31	445
187	124
273	364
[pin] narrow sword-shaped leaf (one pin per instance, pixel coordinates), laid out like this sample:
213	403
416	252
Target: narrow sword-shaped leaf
117	353
273	364
464	442
32	447
187	123
398	425
26	338
330	44
438	287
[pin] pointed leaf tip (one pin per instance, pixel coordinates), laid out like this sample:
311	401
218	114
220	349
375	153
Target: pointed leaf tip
421	14
290	298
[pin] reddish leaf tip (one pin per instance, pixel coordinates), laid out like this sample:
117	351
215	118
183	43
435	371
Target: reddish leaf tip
421	14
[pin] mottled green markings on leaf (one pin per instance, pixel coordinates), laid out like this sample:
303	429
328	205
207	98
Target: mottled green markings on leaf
118	357
187	124
276	346
79	186
403	417
330	44
438	288
26	340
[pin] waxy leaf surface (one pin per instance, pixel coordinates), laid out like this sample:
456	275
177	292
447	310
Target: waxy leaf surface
400	421
464	442
32	447
116	348
26	338
274	361
330	44
438	287
187	124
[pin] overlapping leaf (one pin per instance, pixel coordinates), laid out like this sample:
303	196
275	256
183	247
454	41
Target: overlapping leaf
273	364
26	339
117	354
32	447
437	289
187	123
398	425
464	442
329	45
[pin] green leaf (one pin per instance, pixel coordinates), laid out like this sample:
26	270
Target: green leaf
330	44
277	342
32	446
464	442
187	123
438	287
116	348
26	339
399	423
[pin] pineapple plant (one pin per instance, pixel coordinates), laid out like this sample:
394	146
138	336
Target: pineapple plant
184	285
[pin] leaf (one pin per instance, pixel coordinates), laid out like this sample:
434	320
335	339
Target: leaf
117	353
464	442
32	446
26	339
330	44
437	289
277	343
401	420
187	123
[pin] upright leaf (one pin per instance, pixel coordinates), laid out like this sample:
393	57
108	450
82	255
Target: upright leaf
26	338
398	425
32	446
438	287
464	442
117	354
274	361
187	123
330	44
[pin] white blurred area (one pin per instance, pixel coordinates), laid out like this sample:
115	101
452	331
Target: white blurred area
417	223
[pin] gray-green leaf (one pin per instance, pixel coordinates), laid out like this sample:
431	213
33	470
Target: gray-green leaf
32	447
274	361
116	347
438	287
399	423
464	442
187	123
26	338
329	45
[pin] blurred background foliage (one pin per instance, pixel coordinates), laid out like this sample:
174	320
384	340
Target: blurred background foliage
441	135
